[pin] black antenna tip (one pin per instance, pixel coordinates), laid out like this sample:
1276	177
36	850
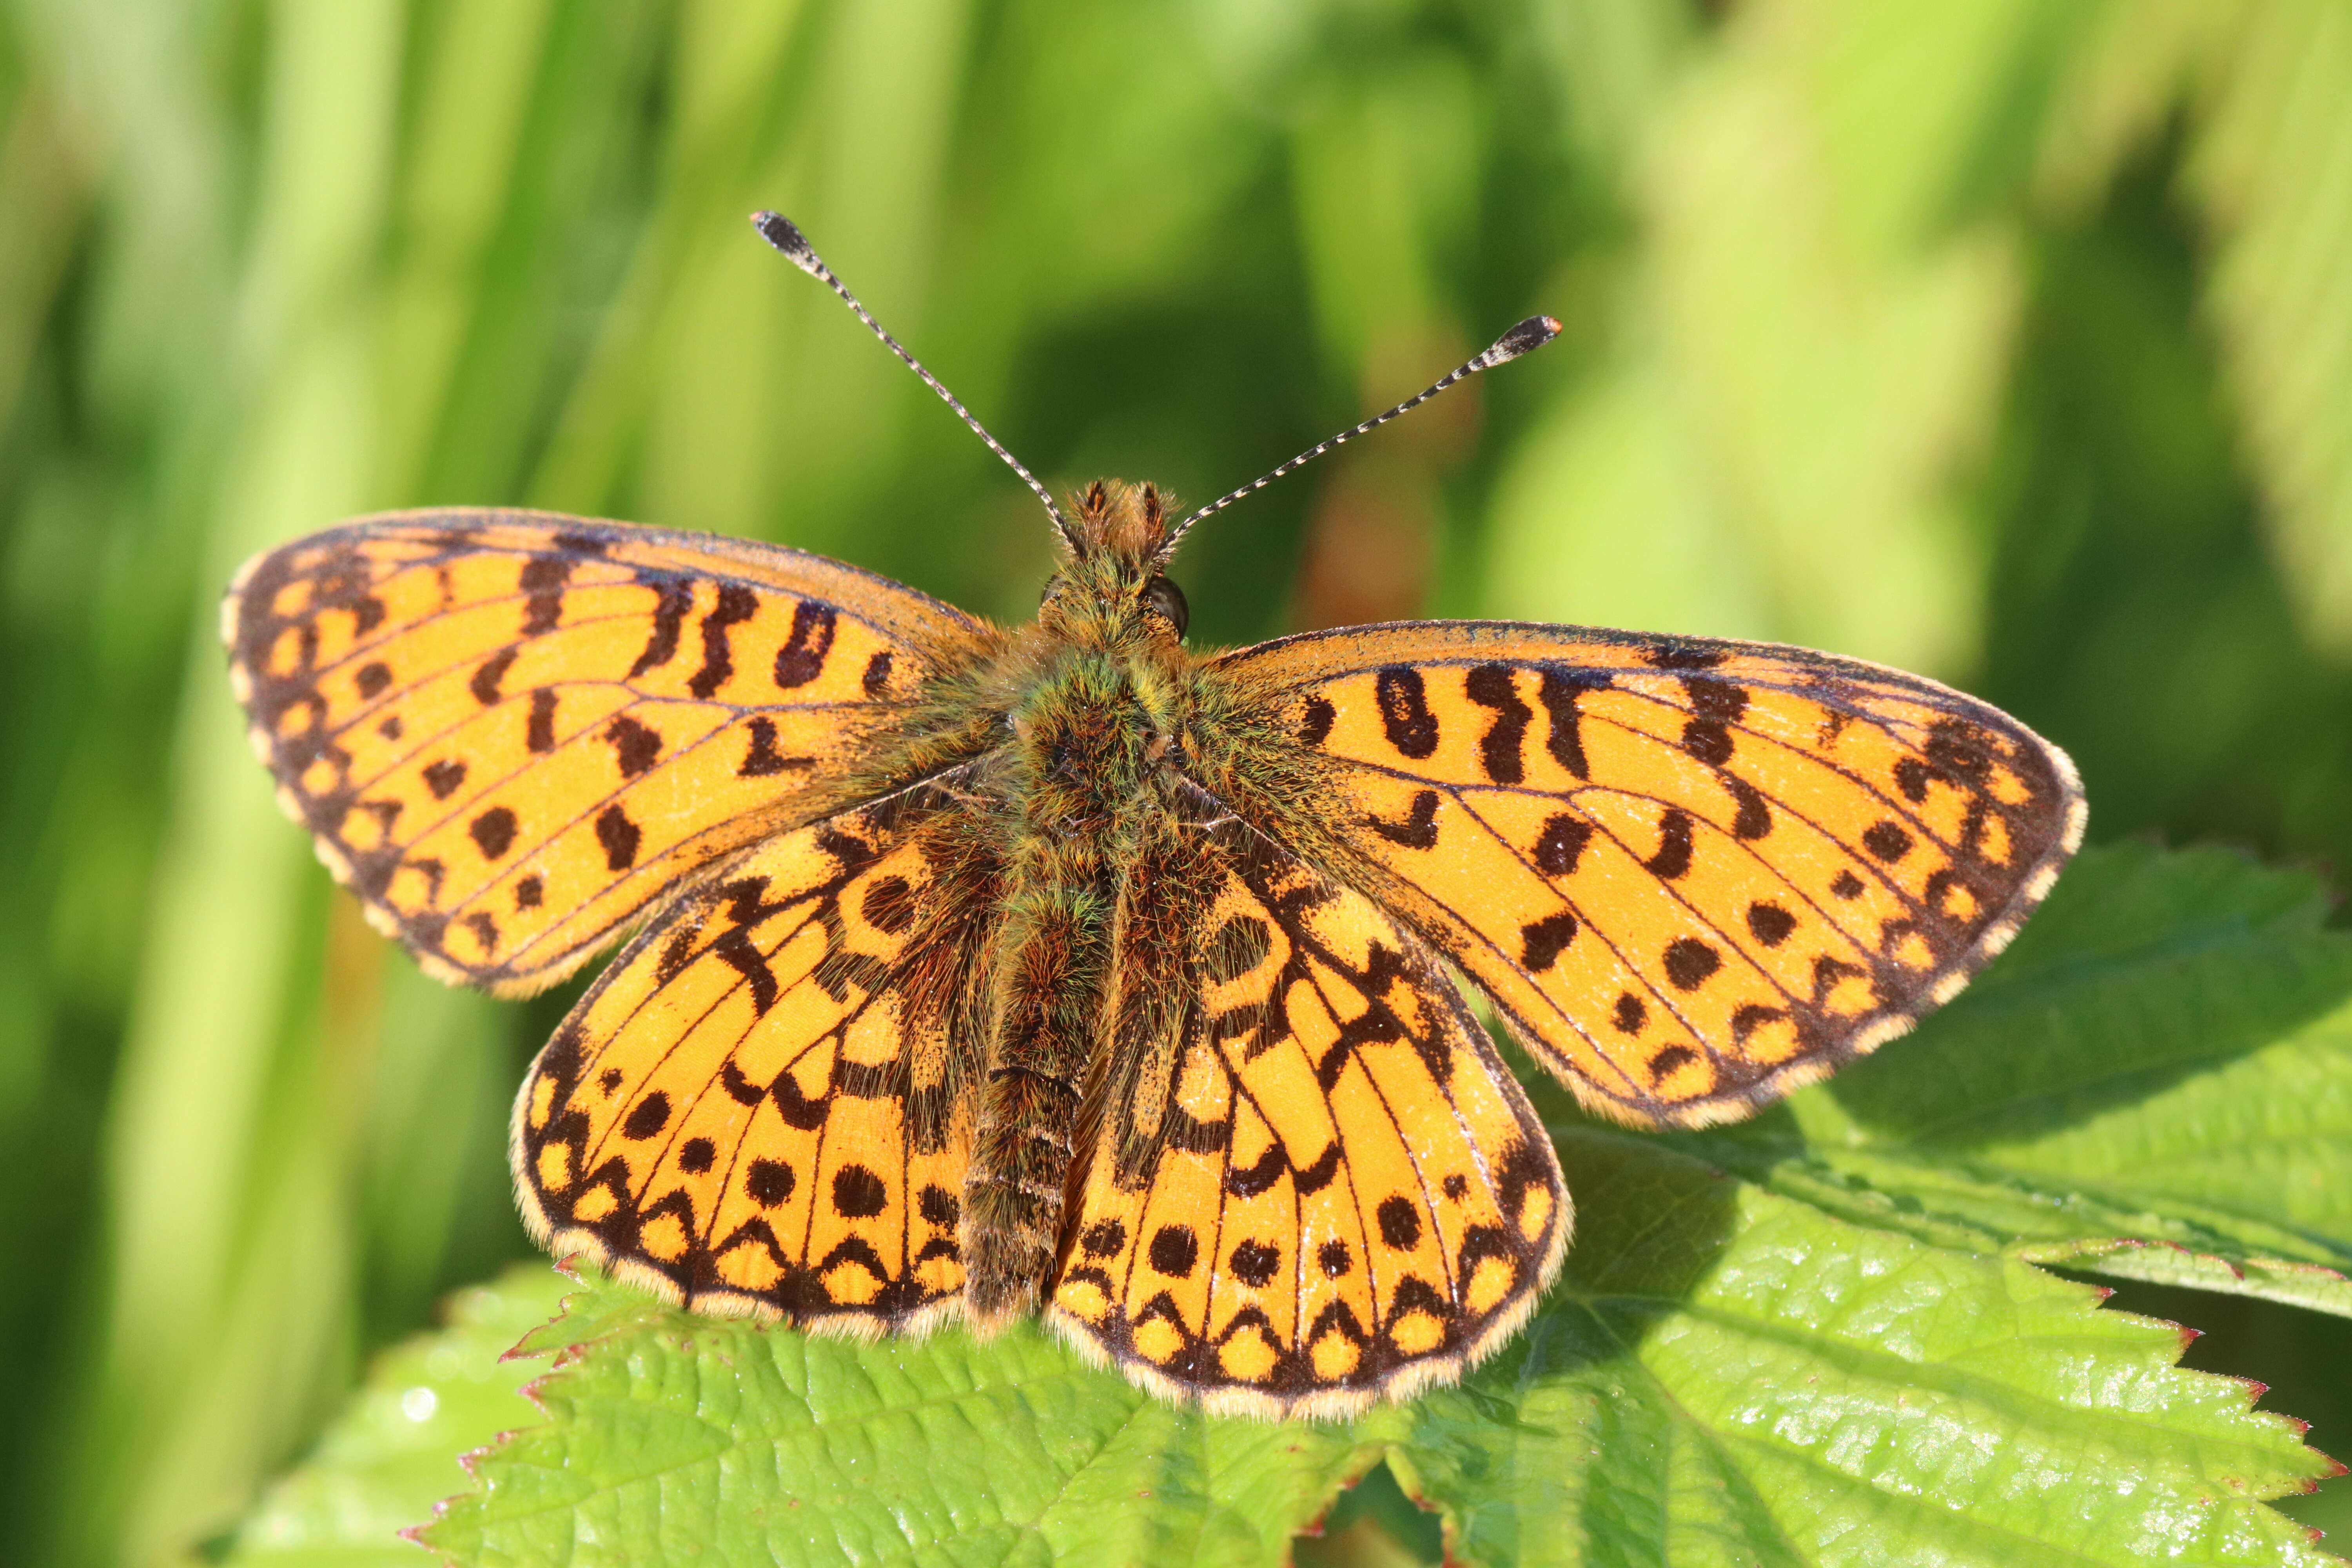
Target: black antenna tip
1524	338
785	235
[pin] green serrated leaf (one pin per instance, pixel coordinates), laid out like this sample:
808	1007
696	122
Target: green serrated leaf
380	1468
2155	1083
1730	1373
1753	1379
1992	1211
672	1436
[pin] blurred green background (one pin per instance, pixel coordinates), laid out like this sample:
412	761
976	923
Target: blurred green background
2006	339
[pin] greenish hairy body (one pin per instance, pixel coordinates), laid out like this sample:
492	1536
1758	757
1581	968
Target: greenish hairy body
1085	750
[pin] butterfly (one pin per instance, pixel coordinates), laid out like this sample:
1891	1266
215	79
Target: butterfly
970	971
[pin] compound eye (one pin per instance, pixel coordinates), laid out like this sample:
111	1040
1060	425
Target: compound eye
1168	599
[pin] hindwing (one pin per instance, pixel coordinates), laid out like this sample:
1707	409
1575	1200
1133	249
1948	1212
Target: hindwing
763	1105
1314	1183
509	732
1691	874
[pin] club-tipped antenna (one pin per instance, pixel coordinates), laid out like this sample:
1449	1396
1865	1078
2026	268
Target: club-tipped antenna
1528	335
785	235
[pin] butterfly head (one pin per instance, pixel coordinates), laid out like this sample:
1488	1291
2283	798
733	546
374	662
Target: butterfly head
1110	586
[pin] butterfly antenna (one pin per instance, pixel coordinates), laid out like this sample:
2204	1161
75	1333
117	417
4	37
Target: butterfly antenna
785	235
1528	335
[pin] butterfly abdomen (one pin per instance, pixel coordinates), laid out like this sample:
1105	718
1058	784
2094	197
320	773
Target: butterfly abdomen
1077	760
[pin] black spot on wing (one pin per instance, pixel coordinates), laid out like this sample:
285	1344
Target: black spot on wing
493	832
619	836
1886	840
1490	686
1174	1250
492	670
798	1111
1418	830
736	605
1558	691
1405	715
1399	1222
544	577
444	777
539	733
803	657
1670	1058
1674	857
1752	818
1545	940
739	1089
485	930
769	1182
635	747
761	759
736	947
1715	706
647	1116
1311	1179
1715	699
672	599
1260	1175
1561	843
1707	741
1771	923
1689	962
1316	718
858	1192
1254	1263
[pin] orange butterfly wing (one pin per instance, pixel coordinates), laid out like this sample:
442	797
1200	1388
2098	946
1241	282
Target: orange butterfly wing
1315	1183
758	1107
1691	875
509	732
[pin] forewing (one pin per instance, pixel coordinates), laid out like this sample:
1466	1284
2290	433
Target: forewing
758	1107
1691	874
1316	1184
508	732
